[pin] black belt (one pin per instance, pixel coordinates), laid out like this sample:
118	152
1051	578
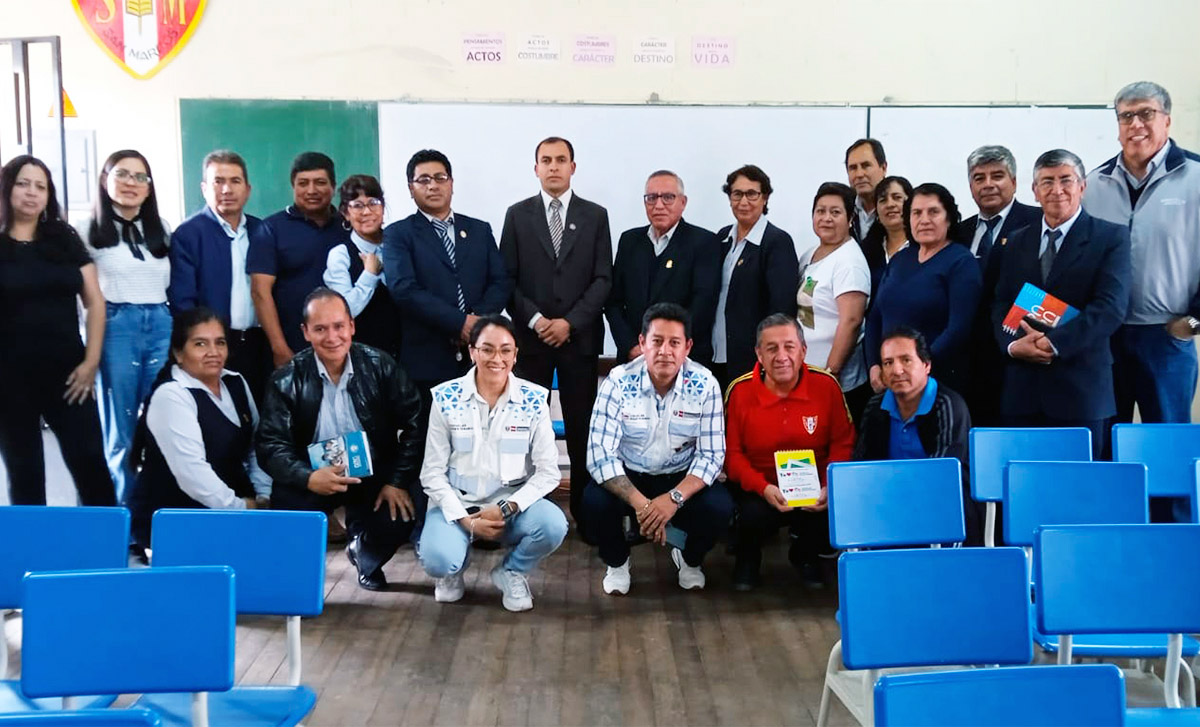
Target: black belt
242	336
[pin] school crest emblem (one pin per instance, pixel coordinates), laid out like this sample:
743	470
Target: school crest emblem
140	35
810	424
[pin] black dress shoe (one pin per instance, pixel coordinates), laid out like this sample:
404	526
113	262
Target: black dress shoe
745	575
370	581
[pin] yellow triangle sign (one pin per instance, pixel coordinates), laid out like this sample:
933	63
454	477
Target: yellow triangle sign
68	107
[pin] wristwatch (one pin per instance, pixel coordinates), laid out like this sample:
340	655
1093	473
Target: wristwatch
677	498
507	509
1193	324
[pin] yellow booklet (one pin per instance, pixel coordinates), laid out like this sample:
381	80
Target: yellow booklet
798	479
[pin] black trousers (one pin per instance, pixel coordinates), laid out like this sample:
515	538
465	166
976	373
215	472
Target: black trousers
704	517
250	356
577	384
27	397
757	521
379	536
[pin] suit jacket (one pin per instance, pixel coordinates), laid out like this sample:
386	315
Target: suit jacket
1092	273
688	273
201	267
1019	216
764	281
573	286
425	287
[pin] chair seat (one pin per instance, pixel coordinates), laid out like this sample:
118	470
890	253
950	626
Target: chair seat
241	706
83	718
1162	717
1117	646
12	700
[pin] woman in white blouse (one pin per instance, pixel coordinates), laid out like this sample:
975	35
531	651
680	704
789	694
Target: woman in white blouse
128	242
835	284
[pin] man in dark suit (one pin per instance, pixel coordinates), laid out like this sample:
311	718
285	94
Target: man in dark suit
444	271
1061	374
667	261
558	250
992	174
208	264
866	166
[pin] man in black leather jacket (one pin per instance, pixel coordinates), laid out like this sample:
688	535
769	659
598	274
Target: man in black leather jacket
334	388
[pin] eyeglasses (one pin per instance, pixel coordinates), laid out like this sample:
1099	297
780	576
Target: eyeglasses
506	352
361	204
667	199
1050	183
124	175
751	194
1145	115
426	179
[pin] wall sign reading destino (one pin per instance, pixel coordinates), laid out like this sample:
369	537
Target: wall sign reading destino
140	35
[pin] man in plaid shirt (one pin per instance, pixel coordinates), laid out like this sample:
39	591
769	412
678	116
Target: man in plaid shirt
656	444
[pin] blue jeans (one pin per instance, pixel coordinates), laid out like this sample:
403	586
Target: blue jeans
1156	371
531	536
136	339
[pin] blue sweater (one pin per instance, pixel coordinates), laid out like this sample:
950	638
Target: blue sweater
939	298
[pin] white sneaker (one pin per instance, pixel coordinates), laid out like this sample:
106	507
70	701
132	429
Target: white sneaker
689	577
449	589
616	580
514	586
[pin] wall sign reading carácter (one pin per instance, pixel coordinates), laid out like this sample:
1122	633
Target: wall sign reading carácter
140	35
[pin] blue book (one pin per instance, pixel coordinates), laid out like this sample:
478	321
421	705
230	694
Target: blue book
349	450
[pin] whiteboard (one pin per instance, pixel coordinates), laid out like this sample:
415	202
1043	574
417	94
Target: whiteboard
932	144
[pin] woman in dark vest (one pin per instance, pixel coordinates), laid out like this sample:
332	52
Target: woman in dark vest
355	270
195	438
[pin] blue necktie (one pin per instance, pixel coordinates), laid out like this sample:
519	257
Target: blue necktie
985	242
443	229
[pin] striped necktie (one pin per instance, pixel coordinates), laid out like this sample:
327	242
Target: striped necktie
443	230
556	225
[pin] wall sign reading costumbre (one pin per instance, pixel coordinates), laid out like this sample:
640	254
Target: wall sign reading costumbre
142	36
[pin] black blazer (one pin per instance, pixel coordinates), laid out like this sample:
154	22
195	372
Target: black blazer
1019	216
764	281
574	286
688	273
1092	273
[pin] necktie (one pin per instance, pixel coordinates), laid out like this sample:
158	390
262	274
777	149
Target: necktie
131	235
556	225
985	242
443	229
1047	258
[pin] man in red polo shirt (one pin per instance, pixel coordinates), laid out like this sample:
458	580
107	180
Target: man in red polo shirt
782	404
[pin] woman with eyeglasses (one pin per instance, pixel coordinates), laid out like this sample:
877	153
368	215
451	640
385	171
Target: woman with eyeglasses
129	243
46	371
759	273
355	269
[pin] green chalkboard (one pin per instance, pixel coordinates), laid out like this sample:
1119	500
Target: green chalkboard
269	134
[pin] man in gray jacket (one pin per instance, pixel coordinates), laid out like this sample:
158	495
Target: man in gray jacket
1153	187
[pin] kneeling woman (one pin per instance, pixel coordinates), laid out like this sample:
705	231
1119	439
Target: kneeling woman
195	439
490	458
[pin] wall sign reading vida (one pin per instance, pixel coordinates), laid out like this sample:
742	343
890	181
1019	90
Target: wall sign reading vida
712	51
140	35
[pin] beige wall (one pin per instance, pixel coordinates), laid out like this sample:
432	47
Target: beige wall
787	51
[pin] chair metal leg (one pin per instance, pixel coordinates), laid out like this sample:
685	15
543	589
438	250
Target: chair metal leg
4	644
200	709
869	678
1064	649
1171	673
989	525
1189	689
293	650
835	661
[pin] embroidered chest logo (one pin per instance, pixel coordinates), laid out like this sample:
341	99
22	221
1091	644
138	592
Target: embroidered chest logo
810	424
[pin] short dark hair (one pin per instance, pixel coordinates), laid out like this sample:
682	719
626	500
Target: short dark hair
424	156
876	149
312	161
554	140
493	319
882	188
183	322
321	293
933	189
223	156
754	174
668	312
357	184
913	335
777	319
836	189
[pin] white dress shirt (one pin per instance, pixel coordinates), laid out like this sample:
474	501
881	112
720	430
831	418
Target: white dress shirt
865	219
336	415
476	455
337	274
981	227
660	242
565	198
125	279
754	237
241	306
172	417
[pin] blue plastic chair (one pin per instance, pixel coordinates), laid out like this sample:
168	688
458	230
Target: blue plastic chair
279	559
559	426
925	607
37	538
83	718
130	631
1096	579
1079	695
1168	451
1196	492
895	503
994	447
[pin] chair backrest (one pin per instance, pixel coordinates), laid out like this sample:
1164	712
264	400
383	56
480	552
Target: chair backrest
1196	492
1167	450
994	447
1072	493
82	718
128	631
926	606
279	556
39	538
1117	578
895	502
1077	695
